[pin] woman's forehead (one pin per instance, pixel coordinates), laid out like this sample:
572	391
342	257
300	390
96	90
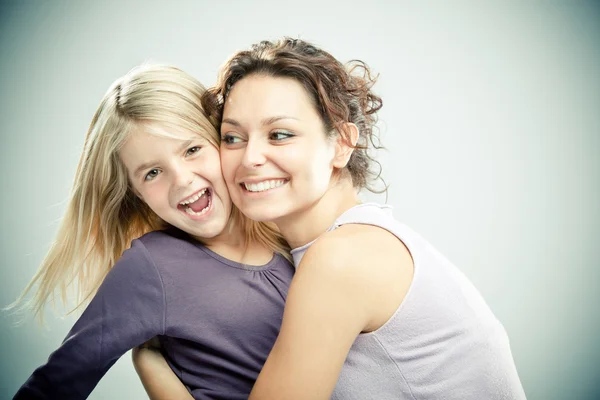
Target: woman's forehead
263	97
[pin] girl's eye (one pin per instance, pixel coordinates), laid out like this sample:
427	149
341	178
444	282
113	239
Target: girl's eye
280	135
230	139
192	150
151	175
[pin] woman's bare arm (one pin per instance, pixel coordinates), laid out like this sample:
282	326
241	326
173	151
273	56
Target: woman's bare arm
350	281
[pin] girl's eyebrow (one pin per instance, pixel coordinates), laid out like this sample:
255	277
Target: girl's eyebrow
149	164
264	122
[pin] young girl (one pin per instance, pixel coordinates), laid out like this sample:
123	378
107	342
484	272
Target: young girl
200	275
374	311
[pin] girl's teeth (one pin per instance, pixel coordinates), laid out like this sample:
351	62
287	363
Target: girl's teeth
262	186
193	199
192	212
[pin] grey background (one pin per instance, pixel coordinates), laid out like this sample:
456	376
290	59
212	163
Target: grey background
490	119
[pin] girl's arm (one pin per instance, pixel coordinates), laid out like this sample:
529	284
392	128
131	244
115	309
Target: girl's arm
156	375
346	283
127	310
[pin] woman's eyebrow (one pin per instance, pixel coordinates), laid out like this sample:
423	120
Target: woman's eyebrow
272	120
230	122
264	122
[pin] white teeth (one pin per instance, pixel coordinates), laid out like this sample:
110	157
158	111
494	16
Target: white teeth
192	212
193	198
265	185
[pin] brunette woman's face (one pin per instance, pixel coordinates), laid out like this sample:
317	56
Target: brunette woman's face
276	158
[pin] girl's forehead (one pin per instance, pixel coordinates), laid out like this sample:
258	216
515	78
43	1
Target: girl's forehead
170	131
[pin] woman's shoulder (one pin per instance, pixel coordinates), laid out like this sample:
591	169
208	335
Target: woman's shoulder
365	212
356	244
367	265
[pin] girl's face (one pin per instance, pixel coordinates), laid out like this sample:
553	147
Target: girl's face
275	156
180	180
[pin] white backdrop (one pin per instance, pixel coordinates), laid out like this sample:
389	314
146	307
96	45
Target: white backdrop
490	117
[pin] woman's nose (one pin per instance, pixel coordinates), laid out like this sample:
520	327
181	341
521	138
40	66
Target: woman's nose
254	155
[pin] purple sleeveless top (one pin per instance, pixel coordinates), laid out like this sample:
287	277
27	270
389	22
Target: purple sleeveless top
217	320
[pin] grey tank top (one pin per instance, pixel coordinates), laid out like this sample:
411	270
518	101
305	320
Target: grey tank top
443	341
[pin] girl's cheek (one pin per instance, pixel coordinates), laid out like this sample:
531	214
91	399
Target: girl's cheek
152	191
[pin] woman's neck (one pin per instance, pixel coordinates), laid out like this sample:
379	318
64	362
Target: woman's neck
308	224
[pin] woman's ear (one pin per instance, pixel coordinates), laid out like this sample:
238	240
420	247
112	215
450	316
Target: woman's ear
346	142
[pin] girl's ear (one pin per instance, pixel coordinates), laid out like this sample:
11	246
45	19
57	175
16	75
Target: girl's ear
346	142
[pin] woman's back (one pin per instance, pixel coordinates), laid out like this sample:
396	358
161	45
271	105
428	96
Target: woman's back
442	342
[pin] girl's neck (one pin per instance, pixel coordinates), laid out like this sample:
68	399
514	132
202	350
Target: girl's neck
308	224
232	244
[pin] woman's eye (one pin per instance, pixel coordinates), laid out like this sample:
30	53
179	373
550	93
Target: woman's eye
192	150
230	139
280	135
151	175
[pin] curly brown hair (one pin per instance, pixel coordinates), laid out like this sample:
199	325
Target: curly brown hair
340	93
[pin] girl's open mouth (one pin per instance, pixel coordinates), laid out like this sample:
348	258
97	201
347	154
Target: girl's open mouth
198	204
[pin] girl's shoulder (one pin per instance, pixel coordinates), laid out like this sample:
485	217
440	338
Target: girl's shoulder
169	242
167	236
153	249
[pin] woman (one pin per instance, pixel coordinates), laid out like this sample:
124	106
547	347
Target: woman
152	238
373	311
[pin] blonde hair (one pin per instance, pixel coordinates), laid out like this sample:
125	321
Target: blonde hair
103	214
